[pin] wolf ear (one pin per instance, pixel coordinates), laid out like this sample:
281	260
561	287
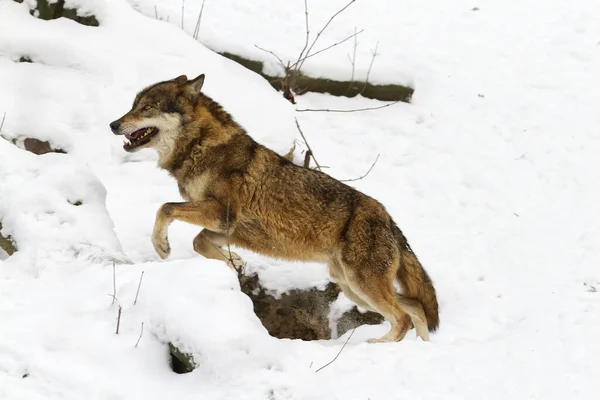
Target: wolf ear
181	79
196	84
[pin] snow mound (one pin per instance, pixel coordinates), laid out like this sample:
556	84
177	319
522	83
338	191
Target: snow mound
54	206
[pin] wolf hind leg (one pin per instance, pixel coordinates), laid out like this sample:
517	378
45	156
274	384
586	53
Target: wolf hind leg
338	275
211	244
374	286
379	293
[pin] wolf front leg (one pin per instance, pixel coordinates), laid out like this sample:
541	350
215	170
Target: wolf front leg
209	213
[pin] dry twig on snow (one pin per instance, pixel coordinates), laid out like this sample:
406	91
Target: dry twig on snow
340	352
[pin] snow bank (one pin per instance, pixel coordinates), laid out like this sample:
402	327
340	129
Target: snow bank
53	206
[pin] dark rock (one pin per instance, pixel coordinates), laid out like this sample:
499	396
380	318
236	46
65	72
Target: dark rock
302	314
6	243
47	11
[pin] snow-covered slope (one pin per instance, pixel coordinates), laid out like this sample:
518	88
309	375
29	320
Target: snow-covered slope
491	172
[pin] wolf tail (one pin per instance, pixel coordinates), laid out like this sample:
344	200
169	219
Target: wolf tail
416	283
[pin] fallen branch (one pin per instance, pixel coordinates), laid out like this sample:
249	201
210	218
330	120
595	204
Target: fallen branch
340	352
363	176
138	289
140	338
312	154
347	111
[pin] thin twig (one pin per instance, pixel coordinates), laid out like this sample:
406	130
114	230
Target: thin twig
312	153
228	241
118	320
348	111
138	289
2	123
353	60
321	32
197	28
140	338
182	13
374	52
155	12
363	176
273	54
340	352
307	32
328	47
114	295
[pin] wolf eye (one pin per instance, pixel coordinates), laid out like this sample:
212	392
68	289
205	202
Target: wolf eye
147	107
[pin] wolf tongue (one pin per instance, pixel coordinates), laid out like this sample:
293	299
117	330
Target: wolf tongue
137	134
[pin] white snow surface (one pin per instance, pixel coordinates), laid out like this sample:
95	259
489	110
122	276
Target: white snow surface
491	172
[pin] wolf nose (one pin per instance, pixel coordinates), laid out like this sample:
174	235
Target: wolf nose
114	126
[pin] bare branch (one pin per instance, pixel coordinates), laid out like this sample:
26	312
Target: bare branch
140	338
353	60
348	111
374	52
114	284
273	54
327	48
118	320
312	154
321	32
2	123
138	289
197	28
340	352
363	176
155	12
307	32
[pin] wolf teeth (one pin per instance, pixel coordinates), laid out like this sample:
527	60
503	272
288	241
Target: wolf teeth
127	142
148	130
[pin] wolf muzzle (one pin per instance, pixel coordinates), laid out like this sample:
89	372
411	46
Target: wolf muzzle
114	127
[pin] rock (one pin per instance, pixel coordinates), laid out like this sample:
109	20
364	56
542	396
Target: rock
6	243
38	147
181	363
47	10
302	314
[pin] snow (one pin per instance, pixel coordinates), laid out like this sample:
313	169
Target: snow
491	172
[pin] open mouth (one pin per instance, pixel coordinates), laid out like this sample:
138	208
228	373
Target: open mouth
139	137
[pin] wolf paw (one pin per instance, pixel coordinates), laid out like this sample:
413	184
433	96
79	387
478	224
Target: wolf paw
377	340
234	261
161	246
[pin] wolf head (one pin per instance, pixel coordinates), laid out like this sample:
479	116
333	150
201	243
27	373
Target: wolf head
157	115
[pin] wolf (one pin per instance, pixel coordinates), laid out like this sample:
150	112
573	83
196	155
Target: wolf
246	195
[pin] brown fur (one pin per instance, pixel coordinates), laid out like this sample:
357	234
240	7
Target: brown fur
246	195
